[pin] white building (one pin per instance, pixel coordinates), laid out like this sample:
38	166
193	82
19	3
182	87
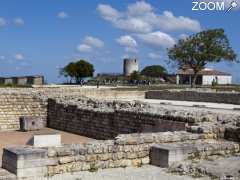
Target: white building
205	77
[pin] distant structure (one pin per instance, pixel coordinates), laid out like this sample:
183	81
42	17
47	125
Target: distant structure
205	77
23	80
129	66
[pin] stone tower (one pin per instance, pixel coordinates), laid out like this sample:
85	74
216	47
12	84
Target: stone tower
129	66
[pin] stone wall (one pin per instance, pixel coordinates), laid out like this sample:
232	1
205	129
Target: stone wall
91	92
15	105
108	123
216	97
123	151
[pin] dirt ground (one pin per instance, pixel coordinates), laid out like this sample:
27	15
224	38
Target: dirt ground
13	138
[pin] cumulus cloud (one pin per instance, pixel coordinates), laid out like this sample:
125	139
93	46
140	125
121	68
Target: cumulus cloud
158	40
3	22
141	18
169	22
19	56
128	42
154	55
94	42
89	43
84	48
62	15
19	22
108	13
139	8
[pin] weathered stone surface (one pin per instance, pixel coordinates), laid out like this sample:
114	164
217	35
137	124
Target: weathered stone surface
45	140
31	123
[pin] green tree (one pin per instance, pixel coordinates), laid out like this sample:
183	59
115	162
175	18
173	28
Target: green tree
210	46
78	70
154	71
135	76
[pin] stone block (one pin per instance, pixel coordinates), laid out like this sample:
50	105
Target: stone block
165	155
26	161
45	140
30	123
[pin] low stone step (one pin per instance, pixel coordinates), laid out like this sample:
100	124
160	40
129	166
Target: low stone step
164	155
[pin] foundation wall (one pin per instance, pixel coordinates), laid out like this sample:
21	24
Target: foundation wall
216	97
107	125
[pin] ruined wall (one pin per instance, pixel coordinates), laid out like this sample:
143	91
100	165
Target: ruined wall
216	97
123	151
91	92
14	105
107	124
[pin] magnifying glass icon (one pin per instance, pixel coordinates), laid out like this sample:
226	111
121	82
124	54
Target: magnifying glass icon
232	5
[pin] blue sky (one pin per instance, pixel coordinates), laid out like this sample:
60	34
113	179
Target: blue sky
39	37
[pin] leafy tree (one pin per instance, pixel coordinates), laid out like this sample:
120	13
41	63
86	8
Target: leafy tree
135	76
78	70
154	71
199	49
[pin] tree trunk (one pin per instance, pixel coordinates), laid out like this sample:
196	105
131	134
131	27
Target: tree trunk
193	82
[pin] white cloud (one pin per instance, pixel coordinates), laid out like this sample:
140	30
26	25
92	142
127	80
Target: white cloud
167	21
93	42
3	22
122	21
132	24
141	18
89	43
108	13
19	56
128	42
154	55
158	40
62	15
19	22
139	8
84	48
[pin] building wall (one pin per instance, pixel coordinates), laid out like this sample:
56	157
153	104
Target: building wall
26	80
8	81
129	66
22	80
38	80
207	80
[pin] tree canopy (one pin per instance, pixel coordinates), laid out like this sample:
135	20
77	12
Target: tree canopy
135	76
210	46
78	70
154	71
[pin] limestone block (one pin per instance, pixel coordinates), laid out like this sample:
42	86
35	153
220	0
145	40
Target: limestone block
164	155
31	123
45	140
26	162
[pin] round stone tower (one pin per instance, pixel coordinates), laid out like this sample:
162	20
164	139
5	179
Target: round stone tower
129	66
